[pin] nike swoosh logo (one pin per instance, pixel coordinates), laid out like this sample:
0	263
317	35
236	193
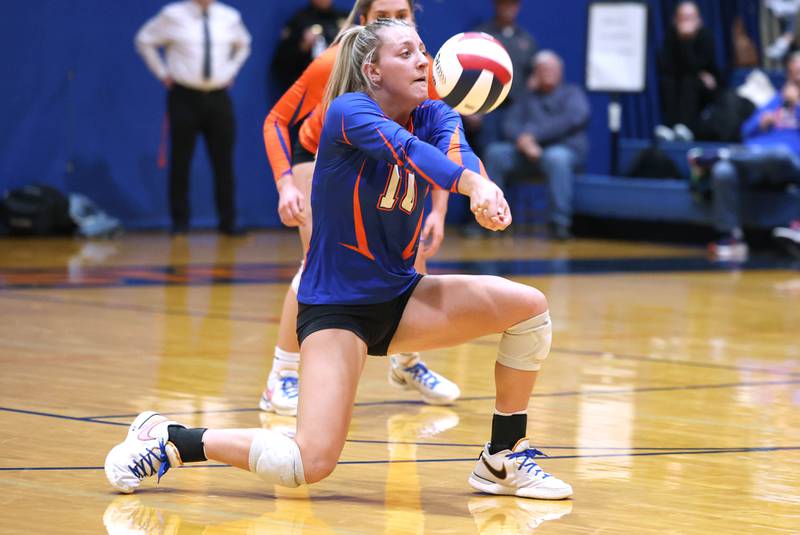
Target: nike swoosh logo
144	432
499	474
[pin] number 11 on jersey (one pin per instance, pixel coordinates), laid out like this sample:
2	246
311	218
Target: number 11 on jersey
388	200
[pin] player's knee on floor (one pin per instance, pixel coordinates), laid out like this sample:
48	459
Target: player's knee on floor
525	346
319	467
275	458
320	460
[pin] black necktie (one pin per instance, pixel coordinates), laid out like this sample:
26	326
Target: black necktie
206	48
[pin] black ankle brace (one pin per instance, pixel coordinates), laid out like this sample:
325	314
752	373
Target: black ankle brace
189	442
506	431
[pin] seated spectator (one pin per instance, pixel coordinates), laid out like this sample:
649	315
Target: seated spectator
688	74
484	129
786	13
770	156
547	124
307	34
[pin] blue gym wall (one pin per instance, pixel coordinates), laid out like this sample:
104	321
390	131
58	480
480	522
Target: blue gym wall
80	111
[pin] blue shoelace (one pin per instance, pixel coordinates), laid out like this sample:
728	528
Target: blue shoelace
144	467
421	374
289	386
528	462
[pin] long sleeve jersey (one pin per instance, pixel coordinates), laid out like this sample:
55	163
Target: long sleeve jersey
368	195
294	106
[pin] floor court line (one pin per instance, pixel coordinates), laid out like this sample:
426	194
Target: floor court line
104	419
762	449
59	416
487	398
709	386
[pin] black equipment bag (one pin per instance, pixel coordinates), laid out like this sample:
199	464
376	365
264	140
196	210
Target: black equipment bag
652	162
37	210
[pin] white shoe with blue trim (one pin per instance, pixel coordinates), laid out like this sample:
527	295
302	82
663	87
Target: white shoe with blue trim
281	393
145	452
515	473
407	371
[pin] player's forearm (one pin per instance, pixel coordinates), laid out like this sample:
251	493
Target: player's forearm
468	181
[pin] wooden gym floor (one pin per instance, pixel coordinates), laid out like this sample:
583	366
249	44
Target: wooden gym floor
670	399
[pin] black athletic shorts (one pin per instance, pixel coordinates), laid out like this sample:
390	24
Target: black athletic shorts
301	155
375	324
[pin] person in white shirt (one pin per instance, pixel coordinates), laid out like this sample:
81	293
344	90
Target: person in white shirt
205	44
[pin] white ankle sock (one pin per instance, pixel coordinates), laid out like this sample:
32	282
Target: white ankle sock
510	413
285	360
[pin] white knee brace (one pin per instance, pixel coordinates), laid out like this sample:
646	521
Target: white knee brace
525	345
275	458
296	279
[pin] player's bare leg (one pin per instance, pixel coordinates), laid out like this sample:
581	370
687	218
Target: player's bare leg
447	310
281	390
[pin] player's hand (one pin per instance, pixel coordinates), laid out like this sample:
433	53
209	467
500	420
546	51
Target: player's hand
432	234
486	201
291	203
168	82
493	214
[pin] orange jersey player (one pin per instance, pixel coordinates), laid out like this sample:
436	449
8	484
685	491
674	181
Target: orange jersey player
294	106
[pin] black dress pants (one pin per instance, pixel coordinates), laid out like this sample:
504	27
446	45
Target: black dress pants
210	113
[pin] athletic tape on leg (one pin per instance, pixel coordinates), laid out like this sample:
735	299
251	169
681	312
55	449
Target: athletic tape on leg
525	345
275	458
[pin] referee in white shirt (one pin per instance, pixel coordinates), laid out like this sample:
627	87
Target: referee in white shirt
205	44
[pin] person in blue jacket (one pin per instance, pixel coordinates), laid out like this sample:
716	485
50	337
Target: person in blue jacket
771	155
383	148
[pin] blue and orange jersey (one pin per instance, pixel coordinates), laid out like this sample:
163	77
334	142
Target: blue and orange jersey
369	187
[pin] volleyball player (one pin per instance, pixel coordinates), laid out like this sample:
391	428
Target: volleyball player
381	151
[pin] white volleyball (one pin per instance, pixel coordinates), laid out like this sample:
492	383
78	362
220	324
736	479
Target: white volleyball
472	73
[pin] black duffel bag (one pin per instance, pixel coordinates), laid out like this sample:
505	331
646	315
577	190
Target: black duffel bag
36	210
